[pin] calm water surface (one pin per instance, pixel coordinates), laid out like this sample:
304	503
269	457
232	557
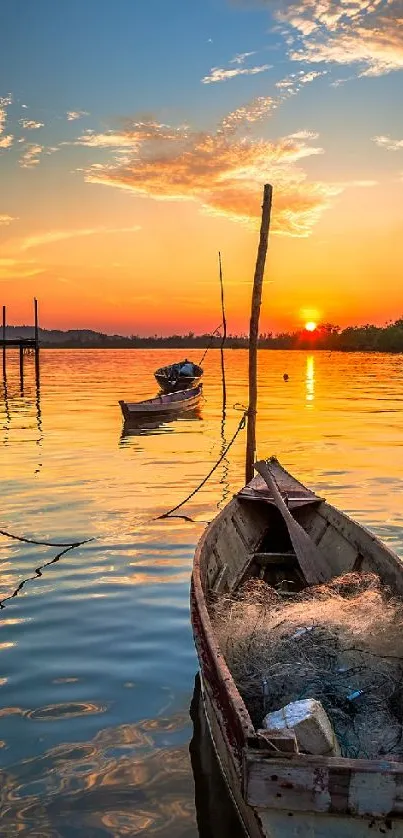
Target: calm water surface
96	655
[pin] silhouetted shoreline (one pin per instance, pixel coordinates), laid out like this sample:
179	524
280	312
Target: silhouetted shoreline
368	338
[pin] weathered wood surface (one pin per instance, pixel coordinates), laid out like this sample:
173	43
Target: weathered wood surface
286	482
220	545
296	493
230	767
284	741
312	562
324	784
264	559
281	824
364	546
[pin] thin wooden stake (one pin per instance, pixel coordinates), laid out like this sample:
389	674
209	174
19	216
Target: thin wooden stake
36	323
223	339
22	369
36	342
4	340
224	320
254	329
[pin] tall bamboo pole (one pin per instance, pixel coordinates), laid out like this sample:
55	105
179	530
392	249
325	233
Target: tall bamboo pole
224	319
254	329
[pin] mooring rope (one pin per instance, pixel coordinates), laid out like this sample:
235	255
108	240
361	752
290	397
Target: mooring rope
72	544
212	336
37	575
220	459
45	543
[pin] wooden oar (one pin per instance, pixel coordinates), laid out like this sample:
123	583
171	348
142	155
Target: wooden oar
312	563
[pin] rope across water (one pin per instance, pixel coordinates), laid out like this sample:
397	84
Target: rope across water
71	545
220	459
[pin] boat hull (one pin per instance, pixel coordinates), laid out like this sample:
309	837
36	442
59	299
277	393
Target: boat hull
163	406
296	796
269	823
184	383
217	816
170	381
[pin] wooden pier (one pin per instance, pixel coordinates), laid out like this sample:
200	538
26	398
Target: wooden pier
24	345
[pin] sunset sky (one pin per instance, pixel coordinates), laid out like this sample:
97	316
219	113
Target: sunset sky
135	139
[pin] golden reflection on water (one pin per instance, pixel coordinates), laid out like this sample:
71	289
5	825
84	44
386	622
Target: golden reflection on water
96	654
85	450
310	378
122	782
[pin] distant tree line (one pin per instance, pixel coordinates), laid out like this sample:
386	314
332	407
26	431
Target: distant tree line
368	338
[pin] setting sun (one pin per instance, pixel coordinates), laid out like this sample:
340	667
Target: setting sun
310	326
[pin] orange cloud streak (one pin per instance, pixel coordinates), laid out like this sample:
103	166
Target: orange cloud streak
223	171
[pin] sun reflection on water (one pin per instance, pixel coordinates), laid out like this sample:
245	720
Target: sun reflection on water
310	378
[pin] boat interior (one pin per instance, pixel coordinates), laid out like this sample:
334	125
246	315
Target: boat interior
251	539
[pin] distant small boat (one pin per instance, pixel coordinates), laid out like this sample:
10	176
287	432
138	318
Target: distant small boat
163	405
179	376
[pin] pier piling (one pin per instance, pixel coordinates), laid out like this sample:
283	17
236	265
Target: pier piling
21	344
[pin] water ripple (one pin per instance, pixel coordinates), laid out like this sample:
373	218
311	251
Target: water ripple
96	652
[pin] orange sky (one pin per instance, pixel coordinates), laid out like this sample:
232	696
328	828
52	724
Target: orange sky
113	216
159	281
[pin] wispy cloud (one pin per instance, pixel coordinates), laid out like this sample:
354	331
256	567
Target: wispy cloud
221	74
5	101
224	171
18	269
366	33
304	135
53	236
30	124
388	143
255	110
292	83
241	57
5	220
133	135
6	141
71	116
30	158
107	139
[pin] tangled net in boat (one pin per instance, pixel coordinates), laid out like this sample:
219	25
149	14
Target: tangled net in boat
340	643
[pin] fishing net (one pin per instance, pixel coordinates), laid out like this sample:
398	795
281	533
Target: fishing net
340	643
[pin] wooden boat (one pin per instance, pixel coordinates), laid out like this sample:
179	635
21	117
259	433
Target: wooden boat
171	378
287	794
163	405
